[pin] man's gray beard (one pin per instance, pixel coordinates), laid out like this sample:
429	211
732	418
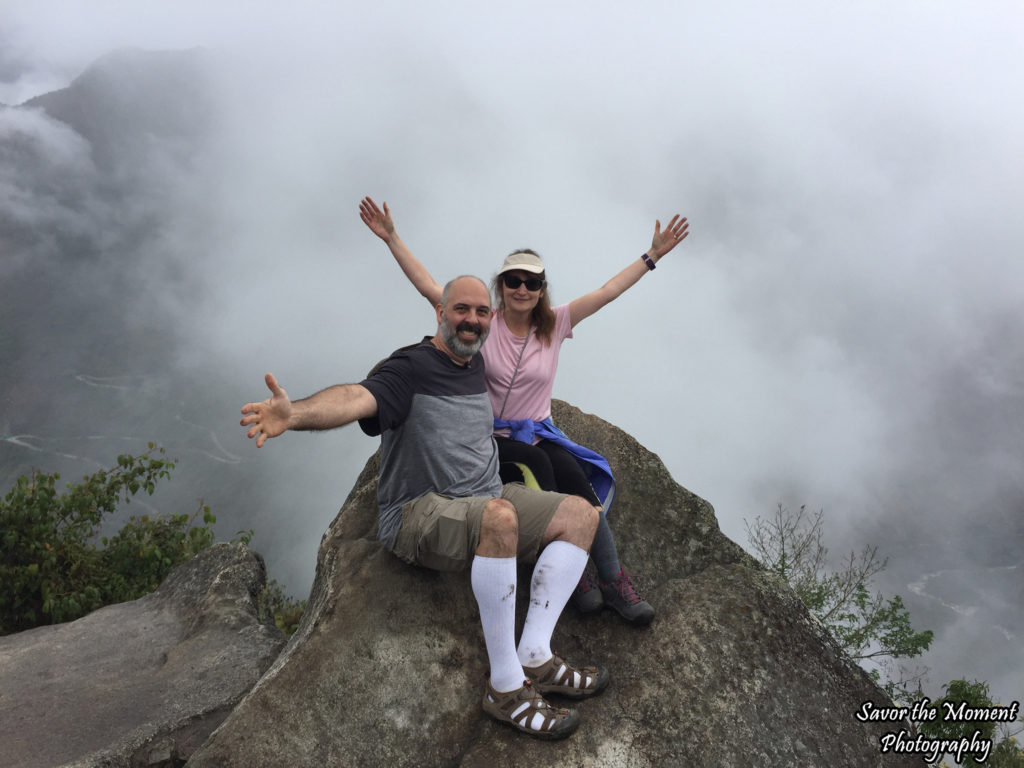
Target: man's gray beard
455	344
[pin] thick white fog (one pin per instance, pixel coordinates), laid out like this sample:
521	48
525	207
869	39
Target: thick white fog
841	329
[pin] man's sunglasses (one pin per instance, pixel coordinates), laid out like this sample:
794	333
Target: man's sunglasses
512	282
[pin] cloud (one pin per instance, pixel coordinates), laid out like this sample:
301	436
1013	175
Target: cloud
840	329
49	185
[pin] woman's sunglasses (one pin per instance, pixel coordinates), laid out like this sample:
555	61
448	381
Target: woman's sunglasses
512	282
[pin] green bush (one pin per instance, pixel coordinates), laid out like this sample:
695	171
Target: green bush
50	567
275	606
138	558
974	694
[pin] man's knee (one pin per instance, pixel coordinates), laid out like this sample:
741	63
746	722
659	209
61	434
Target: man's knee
499	529
500	516
588	515
575	521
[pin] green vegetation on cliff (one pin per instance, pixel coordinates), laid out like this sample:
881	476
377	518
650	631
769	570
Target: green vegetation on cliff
872	628
55	567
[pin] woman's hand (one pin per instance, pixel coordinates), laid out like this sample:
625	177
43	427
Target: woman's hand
380	223
383	226
663	242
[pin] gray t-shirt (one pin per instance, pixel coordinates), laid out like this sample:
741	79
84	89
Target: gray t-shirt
436	424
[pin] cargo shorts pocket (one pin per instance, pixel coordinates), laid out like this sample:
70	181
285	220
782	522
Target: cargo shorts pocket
444	538
435	533
407	541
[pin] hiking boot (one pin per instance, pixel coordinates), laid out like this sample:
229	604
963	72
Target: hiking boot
525	709
621	595
587	596
555	676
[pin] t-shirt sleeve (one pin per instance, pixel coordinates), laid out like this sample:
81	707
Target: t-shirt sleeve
563	322
391	384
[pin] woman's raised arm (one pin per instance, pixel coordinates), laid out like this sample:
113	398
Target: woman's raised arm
662	243
383	226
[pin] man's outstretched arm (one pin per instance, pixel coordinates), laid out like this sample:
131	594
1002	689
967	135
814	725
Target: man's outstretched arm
330	408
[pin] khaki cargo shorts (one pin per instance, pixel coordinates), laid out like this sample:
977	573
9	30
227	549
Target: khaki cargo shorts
442	533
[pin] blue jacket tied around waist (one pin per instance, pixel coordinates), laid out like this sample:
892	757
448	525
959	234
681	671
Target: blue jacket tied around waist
594	465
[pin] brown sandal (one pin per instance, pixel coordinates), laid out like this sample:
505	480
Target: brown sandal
525	709
555	676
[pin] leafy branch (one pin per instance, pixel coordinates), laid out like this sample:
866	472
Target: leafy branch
868	626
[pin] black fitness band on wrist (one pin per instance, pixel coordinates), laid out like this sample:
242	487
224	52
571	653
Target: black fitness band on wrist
647	260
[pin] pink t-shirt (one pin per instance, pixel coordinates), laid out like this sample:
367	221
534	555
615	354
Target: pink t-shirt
530	398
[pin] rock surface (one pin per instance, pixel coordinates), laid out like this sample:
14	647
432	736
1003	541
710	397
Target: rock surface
389	665
141	683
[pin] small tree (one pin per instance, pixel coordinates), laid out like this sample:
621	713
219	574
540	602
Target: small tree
1008	752
975	694
869	627
50	567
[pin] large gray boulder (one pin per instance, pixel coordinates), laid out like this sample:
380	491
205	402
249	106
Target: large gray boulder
388	665
141	683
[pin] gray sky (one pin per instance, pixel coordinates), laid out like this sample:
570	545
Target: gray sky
841	329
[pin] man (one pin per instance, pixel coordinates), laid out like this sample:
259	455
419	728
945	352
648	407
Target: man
442	504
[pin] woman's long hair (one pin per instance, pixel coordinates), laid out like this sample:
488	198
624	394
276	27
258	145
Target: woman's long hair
542	318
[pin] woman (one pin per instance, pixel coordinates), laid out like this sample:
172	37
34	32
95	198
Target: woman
521	355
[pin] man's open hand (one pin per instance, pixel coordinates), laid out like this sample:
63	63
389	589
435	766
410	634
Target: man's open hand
269	418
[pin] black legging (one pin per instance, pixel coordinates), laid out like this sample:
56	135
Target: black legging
554	467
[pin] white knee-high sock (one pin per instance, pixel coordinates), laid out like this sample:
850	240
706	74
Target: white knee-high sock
494	586
555	576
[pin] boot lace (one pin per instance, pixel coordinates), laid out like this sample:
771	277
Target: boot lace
624	586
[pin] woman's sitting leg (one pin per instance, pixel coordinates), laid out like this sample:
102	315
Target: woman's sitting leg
568	474
616	586
516	452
